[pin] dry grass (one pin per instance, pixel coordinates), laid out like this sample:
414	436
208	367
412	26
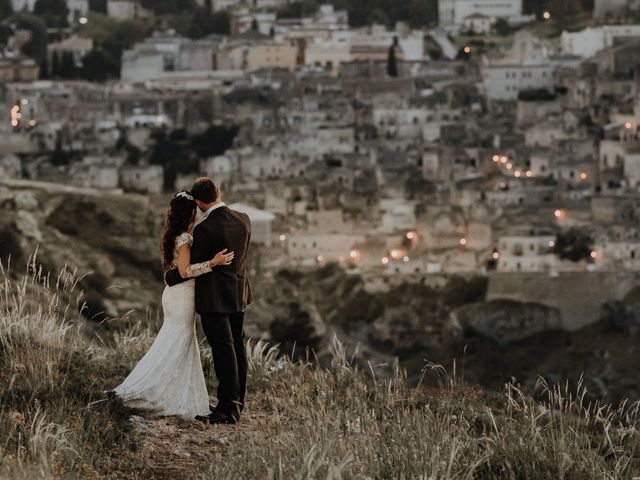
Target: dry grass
313	422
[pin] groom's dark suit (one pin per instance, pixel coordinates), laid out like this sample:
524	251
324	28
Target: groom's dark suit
221	298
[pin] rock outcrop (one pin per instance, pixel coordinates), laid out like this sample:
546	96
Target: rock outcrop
505	320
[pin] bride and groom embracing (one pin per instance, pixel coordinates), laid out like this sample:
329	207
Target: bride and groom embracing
169	379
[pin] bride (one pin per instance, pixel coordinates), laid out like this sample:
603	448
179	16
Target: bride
169	380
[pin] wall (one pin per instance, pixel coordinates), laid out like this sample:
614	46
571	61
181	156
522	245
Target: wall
578	295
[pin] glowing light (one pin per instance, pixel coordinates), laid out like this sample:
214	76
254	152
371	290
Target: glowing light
283	237
509	166
496	158
32	123
584	176
463	242
518	173
467	50
15	115
628	125
411	235
319	258
559	213
495	255
546	15
24	101
594	254
529	173
384	260
405	259
353	254
395	253
552	244
504	159
83	20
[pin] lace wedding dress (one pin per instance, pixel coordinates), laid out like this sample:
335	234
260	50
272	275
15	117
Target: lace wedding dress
169	380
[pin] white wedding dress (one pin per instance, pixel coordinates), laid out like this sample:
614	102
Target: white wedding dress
169	380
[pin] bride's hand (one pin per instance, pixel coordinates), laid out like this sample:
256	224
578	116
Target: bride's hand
222	258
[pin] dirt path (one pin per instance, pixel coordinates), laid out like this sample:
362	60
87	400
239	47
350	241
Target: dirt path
176	449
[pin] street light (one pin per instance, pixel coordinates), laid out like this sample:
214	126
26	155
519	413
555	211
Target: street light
83	20
546	15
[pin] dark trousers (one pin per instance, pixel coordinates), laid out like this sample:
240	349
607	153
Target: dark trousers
225	334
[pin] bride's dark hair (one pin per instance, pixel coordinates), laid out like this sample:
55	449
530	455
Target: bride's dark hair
178	218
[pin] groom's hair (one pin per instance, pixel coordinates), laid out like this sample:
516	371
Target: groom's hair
205	190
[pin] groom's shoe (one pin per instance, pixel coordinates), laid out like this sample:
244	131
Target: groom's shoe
217	418
213	408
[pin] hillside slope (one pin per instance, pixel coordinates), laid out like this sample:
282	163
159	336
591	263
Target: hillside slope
303	421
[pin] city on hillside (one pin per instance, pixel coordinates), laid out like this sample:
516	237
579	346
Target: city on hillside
404	138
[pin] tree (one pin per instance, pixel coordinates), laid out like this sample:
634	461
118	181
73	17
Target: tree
392	65
254	25
214	141
54	12
44	68
502	27
166	7
298	9
67	66
574	244
98	66
35	48
55	65
98	6
221	23
6	9
202	23
564	12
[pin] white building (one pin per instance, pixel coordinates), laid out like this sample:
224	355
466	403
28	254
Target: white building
451	13
125	9
605	8
526	253
142	178
22	5
77	9
590	41
477	23
397	215
309	249
219	166
141	65
503	81
261	222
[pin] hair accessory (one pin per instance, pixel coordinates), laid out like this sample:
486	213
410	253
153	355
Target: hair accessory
186	195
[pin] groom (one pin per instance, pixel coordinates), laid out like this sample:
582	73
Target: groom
221	296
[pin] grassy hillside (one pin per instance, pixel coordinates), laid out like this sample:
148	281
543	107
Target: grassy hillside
304	421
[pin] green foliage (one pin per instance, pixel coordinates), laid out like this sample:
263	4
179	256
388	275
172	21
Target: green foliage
6	9
392	65
98	6
417	13
54	12
215	140
574	244
163	7
98	66
502	27
200	23
36	48
298	9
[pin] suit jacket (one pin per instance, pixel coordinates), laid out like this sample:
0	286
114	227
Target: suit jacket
225	289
